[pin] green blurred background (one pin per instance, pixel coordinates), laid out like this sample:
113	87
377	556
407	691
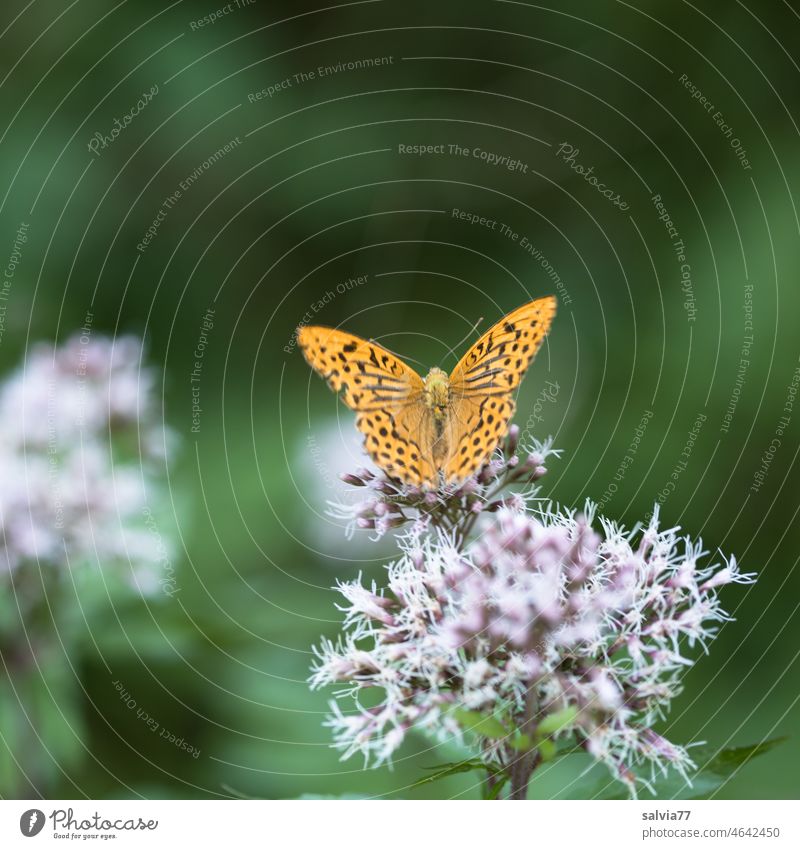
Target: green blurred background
316	191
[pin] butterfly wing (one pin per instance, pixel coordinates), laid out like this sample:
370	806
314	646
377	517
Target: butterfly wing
386	394
399	440
475	427
482	382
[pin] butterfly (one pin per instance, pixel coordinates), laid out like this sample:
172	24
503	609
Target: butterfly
438	429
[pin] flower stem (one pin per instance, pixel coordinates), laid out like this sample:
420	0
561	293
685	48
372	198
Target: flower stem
521	771
524	763
490	784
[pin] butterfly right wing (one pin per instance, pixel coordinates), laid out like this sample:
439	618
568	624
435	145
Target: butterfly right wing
386	394
475	428
482	384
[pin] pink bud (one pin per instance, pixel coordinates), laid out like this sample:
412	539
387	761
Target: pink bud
512	440
366	508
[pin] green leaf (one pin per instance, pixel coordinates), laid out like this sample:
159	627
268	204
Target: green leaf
558	721
446	770
485	726
714	769
521	742
728	761
471	765
547	750
497	788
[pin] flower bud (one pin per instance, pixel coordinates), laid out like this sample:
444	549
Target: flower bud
395	521
512	440
366	508
384	487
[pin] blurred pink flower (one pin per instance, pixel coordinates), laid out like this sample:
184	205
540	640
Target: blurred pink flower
69	494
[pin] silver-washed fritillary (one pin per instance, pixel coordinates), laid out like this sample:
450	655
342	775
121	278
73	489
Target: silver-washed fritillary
440	428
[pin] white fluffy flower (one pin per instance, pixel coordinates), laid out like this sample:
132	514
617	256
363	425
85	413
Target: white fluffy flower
80	443
542	614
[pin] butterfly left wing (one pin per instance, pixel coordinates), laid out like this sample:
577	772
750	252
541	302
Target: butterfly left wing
368	376
482	382
385	393
400	441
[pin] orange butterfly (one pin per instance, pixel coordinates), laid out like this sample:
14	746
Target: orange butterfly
414	428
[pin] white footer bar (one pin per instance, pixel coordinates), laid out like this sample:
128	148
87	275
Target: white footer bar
400	824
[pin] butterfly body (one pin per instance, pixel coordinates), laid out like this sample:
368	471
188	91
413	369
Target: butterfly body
437	401
443	427
437	392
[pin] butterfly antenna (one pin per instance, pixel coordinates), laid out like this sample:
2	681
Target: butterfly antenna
466	336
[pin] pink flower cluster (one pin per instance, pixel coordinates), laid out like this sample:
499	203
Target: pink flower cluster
389	504
546	612
81	442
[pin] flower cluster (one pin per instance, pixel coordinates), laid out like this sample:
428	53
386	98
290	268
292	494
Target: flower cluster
81	441
545	613
391	504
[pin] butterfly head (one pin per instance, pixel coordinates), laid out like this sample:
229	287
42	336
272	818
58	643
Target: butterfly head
437	392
